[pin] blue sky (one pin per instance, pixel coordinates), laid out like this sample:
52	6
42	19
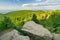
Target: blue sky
29	4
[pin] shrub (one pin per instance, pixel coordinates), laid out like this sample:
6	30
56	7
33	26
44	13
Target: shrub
6	24
53	21
34	18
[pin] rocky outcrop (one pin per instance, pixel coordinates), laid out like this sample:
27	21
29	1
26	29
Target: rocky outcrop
13	35
36	31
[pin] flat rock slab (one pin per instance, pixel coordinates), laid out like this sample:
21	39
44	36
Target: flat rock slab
36	30
13	35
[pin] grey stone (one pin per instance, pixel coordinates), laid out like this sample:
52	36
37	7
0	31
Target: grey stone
13	35
36	31
56	36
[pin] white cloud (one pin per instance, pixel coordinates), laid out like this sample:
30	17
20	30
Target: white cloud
38	6
26	5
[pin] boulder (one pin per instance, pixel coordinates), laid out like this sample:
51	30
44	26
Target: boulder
56	36
36	31
13	35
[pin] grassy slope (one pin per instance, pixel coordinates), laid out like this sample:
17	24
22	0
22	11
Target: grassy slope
27	15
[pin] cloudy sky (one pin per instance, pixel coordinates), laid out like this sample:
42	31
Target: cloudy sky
29	4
